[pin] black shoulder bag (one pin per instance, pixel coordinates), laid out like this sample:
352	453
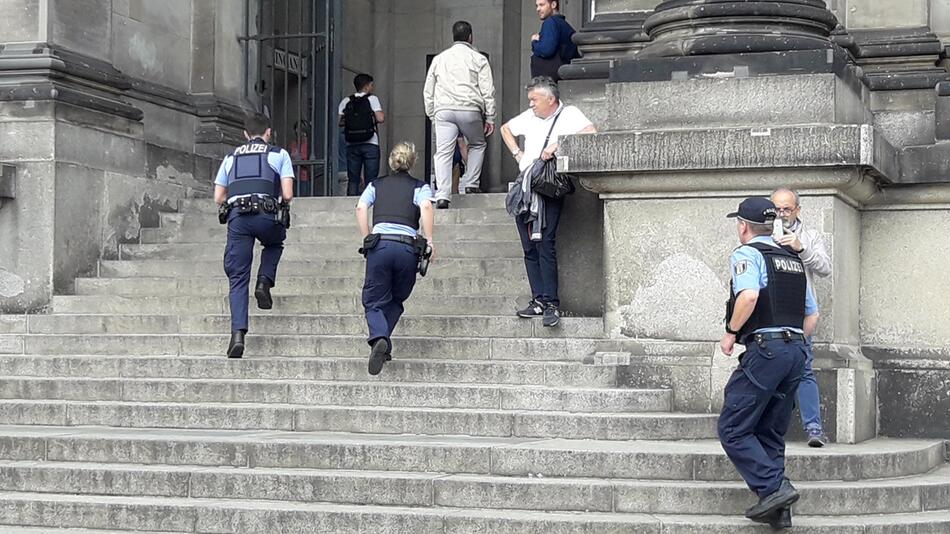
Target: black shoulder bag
548	183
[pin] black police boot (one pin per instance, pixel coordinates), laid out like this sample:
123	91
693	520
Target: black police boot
784	497
378	355
236	347
782	519
262	294
442	204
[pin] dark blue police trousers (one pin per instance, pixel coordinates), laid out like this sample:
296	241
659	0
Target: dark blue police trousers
390	277
759	399
239	254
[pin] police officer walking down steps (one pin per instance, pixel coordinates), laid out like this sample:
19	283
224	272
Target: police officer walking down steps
394	249
771	310
253	190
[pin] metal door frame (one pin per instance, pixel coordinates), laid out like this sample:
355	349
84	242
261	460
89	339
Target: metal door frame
313	71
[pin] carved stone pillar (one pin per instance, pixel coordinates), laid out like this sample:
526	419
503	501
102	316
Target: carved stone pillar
611	29
702	27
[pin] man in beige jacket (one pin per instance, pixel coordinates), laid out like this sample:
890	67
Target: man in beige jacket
459	98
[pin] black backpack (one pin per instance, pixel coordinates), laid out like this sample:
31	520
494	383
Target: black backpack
359	120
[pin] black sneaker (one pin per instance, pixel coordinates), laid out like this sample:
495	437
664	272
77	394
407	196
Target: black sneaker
442	204
378	356
552	316
817	438
534	309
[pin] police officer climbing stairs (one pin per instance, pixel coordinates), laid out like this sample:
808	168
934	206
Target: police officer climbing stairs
253	190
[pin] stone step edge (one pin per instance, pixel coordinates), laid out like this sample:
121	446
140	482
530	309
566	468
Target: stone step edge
663	521
369	408
873	447
395	338
278	358
939	476
374	383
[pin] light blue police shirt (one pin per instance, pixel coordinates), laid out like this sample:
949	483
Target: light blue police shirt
422	194
279	161
750	272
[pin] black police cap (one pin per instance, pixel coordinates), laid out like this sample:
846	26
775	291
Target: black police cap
758	210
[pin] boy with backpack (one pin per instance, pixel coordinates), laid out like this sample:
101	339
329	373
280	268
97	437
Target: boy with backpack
359	115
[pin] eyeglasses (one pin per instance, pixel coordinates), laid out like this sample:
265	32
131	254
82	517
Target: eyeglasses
786	210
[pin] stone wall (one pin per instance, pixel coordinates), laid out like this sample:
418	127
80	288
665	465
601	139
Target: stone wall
121	109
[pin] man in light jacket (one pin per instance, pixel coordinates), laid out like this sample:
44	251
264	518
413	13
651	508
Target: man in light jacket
459	98
811	249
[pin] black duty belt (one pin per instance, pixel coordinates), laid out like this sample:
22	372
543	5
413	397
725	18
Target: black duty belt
255	204
784	335
398	238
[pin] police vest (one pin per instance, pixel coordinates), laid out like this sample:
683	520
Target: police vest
251	173
782	302
394	200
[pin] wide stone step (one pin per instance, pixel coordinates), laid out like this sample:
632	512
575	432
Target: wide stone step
316	235
337	204
314	286
344	266
306	368
283	304
883	496
253	517
341	393
53	530
699	460
205	252
355	325
347	219
269	345
358	419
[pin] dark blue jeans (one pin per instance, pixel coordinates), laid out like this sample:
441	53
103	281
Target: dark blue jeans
757	409
390	277
239	254
362	159
540	257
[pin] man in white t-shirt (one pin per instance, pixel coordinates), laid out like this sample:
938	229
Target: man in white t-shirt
547	117
360	113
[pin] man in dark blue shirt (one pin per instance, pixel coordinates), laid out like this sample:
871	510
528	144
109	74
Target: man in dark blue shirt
552	47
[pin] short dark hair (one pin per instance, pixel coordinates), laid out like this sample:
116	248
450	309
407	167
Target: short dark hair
557	4
461	31
362	80
256	124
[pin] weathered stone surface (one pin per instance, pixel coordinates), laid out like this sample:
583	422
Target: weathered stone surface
726	148
703	27
733	102
897	268
82	27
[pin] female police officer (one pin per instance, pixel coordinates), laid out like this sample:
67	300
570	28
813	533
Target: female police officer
392	249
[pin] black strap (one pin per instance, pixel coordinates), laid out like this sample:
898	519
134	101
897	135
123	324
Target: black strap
556	117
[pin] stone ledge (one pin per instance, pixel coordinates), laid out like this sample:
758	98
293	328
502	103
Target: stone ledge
654	151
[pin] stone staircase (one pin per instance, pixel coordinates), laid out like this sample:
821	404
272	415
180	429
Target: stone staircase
120	412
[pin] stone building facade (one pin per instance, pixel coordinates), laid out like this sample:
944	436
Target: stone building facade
111	111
